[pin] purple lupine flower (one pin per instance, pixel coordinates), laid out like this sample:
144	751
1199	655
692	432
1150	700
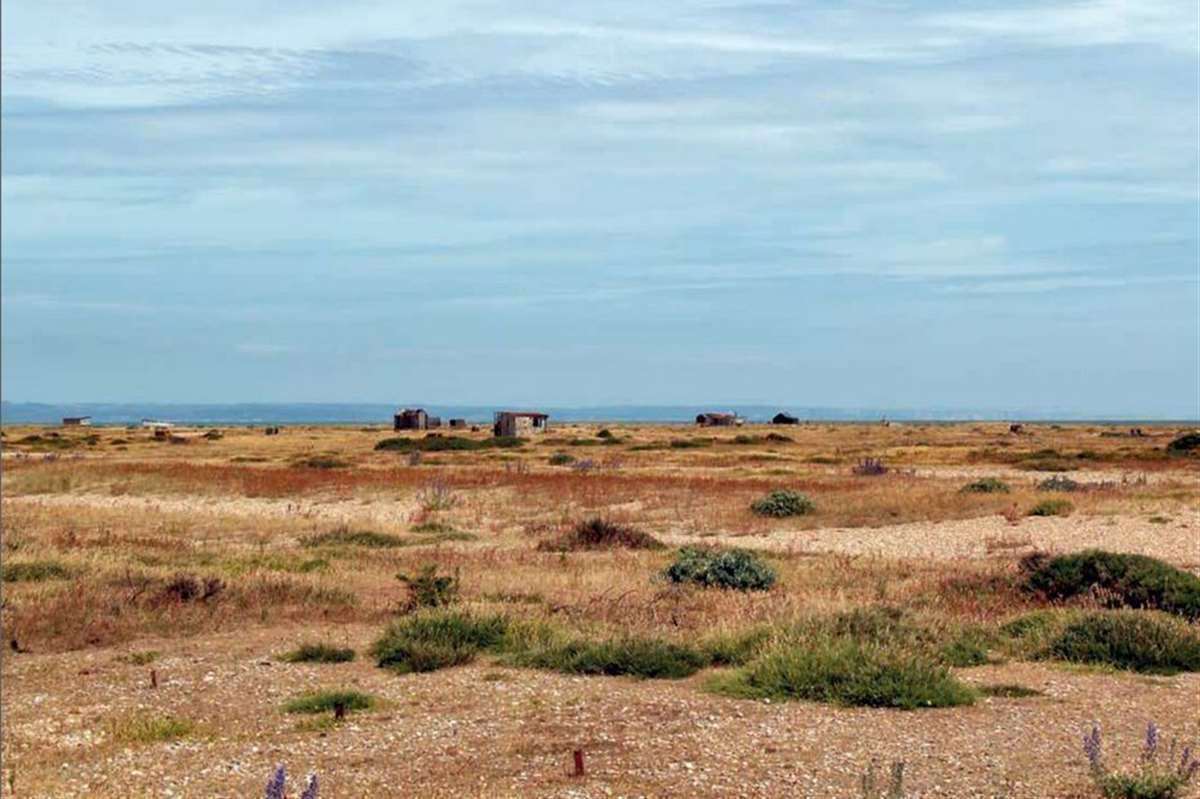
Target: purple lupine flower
276	784
1091	746
1150	747
310	791
1188	765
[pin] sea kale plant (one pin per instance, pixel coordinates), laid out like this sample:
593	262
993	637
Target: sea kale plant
1158	775
277	785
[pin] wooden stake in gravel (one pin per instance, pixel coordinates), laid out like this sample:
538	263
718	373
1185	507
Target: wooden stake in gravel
579	763
153	678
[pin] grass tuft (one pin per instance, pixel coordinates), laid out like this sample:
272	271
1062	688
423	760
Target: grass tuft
737	569
318	653
598	533
34	571
330	701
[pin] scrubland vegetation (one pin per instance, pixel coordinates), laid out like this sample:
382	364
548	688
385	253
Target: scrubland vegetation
740	572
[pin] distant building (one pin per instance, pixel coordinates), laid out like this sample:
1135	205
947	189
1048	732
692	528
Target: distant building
458	422
718	419
77	421
410	419
784	418
433	421
520	423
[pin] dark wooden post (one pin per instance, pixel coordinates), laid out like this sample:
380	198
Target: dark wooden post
579	763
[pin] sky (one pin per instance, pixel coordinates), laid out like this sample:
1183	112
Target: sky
857	204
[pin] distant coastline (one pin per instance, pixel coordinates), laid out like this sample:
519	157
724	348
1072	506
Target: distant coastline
379	413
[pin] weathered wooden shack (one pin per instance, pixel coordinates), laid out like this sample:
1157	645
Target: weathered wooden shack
520	423
718	419
410	419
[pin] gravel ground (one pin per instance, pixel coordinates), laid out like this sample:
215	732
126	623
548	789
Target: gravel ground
1177	540
488	732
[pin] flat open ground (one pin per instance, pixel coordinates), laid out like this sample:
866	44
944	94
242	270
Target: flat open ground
108	518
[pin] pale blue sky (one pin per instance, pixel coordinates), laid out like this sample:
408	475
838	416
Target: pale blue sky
894	204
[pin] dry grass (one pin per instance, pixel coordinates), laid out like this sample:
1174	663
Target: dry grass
297	549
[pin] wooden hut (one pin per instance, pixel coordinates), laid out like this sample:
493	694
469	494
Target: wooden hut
520	423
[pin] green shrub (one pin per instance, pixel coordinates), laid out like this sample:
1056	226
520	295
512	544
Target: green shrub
143	728
1059	482
355	538
1052	507
322	462
561	459
986	485
630	656
326	701
1133	640
842	671
428	589
734	649
721	568
1185	443
34	571
318	653
605	433
690	443
783	503
439	443
437	639
1008	691
598	533
968	648
1127	580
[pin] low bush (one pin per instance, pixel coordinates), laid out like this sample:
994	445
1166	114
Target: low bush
690	443
322	462
561	459
428	589
1059	482
438	443
842	671
782	503
434	640
986	485
1132	640
598	533
327	701
721	568
1118	579
605	433
143	728
628	656
343	536
1052	507
34	571
1187	442
318	653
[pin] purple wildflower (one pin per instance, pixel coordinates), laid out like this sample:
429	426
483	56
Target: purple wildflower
276	784
1091	746
1150	747
310	791
1188	765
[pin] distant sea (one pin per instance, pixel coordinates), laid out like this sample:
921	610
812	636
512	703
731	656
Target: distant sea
379	413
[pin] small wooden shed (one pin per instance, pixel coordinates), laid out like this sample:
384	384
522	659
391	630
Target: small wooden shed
77	421
718	419
520	423
410	419
784	418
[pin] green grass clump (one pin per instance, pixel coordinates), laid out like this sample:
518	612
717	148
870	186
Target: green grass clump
353	538
1131	640
599	533
986	485
846	672
1052	507
560	459
648	658
34	571
437	639
783	503
1135	581
690	443
1184	443
439	443
147	729
1008	691
322	462
329	701
318	653
737	569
